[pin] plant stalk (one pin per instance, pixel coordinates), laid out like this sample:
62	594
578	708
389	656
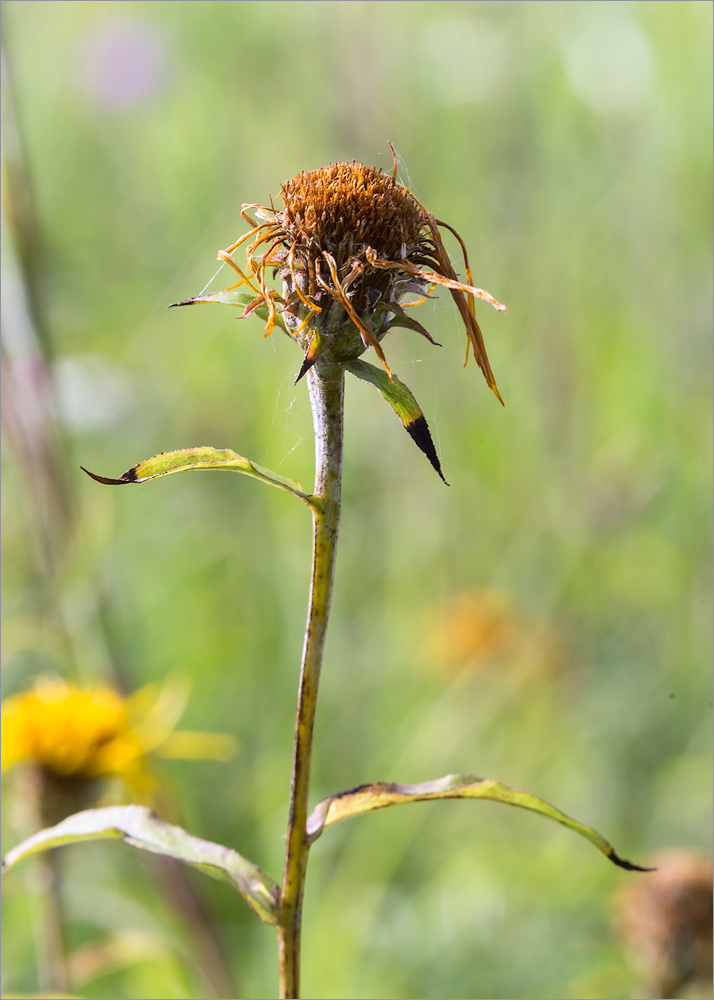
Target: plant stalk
52	963
326	387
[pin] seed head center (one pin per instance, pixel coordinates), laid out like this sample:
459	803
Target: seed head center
346	207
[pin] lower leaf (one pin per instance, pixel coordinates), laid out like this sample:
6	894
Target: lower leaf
142	828
380	794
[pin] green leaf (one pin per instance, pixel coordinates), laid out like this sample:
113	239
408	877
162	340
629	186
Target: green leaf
142	828
381	794
401	318
230	297
227	297
201	458
403	403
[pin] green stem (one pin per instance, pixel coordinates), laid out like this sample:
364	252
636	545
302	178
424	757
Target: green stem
52	965
326	385
30	814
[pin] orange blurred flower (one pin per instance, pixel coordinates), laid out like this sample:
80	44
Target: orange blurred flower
481	626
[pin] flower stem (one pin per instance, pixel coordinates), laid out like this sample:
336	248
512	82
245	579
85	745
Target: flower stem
29	814
326	386
53	974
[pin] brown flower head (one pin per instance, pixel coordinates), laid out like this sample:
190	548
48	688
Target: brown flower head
349	244
354	249
665	922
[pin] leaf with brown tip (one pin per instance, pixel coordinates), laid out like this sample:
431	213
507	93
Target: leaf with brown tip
380	794
186	459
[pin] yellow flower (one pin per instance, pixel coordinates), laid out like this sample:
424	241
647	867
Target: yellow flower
349	244
83	734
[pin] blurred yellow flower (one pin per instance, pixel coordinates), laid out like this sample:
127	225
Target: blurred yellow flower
83	733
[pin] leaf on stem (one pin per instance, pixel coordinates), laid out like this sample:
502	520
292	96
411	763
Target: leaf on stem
403	403
229	297
142	828
381	794
200	458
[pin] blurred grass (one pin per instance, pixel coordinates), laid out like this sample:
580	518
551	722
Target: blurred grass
570	144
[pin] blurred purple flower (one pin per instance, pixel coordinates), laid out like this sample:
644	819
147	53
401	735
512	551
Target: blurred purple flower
122	63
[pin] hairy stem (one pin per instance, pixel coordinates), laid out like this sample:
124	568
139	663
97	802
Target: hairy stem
326	385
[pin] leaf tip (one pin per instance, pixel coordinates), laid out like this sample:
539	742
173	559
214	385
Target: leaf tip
629	866
493	387
418	430
305	367
128	477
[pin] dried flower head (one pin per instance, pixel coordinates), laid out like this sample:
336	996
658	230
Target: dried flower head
349	244
665	922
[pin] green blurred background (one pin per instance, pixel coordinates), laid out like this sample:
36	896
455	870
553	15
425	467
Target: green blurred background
545	621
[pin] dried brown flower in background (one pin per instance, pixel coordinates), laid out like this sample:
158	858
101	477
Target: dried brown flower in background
665	922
